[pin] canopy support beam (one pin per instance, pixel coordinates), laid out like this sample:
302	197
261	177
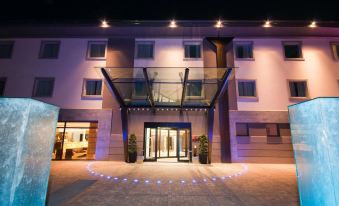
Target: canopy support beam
184	86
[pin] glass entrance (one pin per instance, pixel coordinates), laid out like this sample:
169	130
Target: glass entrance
167	140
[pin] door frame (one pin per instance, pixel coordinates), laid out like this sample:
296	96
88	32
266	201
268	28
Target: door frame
174	125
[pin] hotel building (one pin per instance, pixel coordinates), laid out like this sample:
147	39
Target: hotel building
170	82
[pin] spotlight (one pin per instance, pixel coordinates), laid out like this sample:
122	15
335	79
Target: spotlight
173	24
313	24
267	24
104	24
219	24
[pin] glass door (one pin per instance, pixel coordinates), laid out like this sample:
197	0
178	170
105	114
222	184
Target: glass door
184	145
150	143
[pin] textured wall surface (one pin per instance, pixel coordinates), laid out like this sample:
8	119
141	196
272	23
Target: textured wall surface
314	128
27	132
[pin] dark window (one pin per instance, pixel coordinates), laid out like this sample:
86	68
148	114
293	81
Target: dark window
241	129
192	50
244	51
272	130
194	88
246	88
93	87
6	49
140	88
292	50
49	50
2	86
43	87
144	50
298	88
97	50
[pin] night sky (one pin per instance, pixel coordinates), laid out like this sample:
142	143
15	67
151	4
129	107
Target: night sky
85	11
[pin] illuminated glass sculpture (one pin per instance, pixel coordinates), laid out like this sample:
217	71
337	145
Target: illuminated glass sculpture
27	132
315	136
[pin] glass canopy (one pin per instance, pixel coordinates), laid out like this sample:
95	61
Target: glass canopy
167	86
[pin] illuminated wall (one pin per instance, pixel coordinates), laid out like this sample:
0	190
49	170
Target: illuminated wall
315	135
27	132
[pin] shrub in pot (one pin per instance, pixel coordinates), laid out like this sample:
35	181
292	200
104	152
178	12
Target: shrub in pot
132	148
203	149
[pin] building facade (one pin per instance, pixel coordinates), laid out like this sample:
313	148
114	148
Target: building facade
169	85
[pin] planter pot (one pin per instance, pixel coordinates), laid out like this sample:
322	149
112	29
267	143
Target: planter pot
132	157
203	158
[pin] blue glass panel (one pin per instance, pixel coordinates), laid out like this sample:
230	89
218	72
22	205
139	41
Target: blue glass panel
27	132
315	136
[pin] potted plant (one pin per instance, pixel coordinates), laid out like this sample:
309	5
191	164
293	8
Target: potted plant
132	148
203	149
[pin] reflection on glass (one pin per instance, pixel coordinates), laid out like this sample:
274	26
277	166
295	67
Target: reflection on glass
75	140
150	143
183	144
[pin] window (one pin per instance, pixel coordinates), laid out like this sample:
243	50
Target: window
96	50
92	87
244	50
49	49
292	50
335	50
145	50
192	50
241	129
140	88
75	140
194	88
6	49
2	86
246	88
43	87
298	88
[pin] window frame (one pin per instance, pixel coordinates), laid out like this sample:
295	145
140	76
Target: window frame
84	95
193	42
4	79
289	90
236	43
247	98
138	42
12	49
35	86
89	43
334	50
42	46
299	43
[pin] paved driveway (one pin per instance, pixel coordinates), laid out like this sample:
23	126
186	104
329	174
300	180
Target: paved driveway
179	184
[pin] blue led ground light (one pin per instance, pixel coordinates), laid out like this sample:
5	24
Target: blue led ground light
206	179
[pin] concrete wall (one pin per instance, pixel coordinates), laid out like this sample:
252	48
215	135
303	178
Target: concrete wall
257	149
69	71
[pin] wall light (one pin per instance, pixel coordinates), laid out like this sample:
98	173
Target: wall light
104	24
313	24
219	24
173	24
267	24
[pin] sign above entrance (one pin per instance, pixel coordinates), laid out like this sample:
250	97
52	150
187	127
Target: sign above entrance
171	87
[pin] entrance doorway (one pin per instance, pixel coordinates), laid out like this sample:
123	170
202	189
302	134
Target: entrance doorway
167	140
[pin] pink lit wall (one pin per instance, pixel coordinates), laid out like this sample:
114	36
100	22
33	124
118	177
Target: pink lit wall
69	71
272	72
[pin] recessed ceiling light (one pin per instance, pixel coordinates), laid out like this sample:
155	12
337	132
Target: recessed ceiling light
313	24
173	24
104	24
219	24
267	24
